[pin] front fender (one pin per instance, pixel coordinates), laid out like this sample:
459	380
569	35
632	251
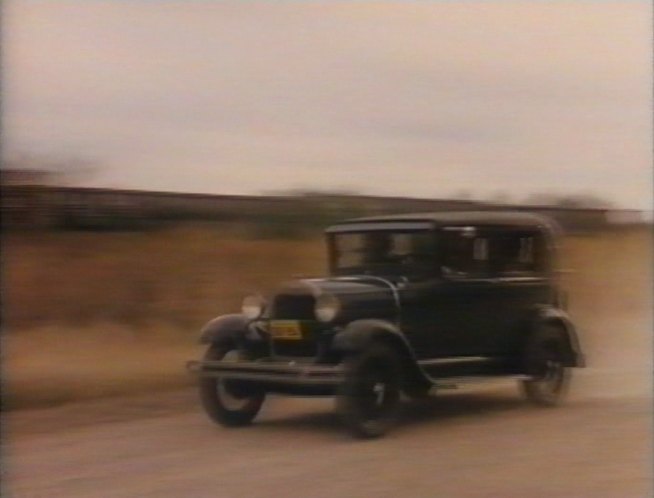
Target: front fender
234	329
360	334
551	314
357	335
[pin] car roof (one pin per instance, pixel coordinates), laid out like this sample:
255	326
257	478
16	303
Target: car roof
441	218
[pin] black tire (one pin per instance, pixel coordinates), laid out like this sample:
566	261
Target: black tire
368	400
228	403
545	363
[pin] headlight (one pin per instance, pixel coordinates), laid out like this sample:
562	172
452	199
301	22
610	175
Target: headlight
253	306
327	307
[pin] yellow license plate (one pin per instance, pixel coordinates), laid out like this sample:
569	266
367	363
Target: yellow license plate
286	329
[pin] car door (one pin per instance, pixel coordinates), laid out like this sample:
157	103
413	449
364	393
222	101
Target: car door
517	259
417	298
462	310
446	314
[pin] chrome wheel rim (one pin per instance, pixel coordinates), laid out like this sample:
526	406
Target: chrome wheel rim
226	395
551	382
376	393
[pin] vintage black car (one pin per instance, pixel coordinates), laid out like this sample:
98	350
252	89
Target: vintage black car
414	302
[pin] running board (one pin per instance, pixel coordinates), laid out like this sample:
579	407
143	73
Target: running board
463	366
456	382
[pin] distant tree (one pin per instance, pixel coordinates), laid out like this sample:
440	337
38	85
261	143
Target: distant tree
59	170
463	195
499	197
541	199
310	192
585	201
579	200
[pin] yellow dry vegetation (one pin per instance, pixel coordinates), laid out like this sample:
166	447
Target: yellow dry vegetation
96	314
178	276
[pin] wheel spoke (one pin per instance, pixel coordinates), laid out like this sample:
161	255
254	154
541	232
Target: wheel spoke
371	393
380	390
227	401
550	376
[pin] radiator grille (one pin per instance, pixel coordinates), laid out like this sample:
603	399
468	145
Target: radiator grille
293	307
298	307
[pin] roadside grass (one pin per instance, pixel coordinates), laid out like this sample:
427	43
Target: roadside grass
52	365
95	314
89	315
611	296
181	276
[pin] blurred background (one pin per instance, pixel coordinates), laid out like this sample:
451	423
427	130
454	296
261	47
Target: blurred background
162	160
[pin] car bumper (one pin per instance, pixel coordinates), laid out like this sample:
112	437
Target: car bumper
270	372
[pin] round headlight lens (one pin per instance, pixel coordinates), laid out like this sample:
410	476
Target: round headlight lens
253	306
327	307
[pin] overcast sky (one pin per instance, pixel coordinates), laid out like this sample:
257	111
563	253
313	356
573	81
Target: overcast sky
410	98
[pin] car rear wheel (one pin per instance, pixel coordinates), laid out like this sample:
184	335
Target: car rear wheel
228	402
545	364
369	398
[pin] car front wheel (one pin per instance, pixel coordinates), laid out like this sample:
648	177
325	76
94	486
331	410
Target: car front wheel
228	402
369	398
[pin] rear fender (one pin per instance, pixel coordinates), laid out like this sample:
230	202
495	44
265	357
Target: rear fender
556	316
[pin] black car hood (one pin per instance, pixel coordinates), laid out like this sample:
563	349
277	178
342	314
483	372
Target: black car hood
346	285
360	296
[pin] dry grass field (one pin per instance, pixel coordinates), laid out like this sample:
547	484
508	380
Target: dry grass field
96	314
610	282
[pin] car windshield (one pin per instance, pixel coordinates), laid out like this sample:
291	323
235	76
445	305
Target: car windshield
391	252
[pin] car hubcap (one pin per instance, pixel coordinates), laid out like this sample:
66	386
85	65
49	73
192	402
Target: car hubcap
380	390
553	375
376	393
550	381
226	392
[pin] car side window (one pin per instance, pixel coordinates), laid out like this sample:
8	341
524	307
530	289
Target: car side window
465	253
407	252
516	253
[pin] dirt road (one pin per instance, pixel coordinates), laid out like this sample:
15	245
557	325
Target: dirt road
482	442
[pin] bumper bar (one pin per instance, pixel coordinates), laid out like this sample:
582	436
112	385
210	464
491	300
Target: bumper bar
270	372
